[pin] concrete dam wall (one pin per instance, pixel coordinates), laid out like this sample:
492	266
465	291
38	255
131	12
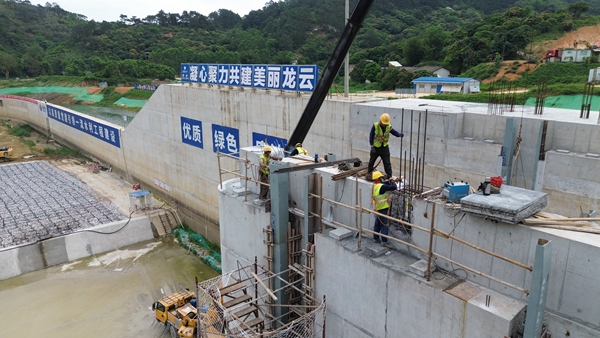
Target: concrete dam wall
463	142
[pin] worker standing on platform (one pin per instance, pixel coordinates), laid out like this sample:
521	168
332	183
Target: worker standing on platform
298	150
265	158
378	139
381	202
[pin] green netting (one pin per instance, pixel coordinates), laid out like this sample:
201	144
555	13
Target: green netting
81	94
130	102
199	246
566	102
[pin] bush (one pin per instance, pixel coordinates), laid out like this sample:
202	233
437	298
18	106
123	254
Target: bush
22	130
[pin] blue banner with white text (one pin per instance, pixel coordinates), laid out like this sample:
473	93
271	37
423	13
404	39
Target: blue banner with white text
94	128
298	78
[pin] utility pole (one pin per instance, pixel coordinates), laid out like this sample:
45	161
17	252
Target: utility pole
347	59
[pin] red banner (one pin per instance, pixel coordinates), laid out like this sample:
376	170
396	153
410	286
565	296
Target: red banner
15	97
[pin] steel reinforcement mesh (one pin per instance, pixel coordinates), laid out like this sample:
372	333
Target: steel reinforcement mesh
40	201
218	321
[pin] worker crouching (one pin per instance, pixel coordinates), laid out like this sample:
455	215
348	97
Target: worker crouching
299	150
265	159
381	202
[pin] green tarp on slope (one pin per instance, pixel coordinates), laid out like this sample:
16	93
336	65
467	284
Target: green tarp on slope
566	102
131	102
81	94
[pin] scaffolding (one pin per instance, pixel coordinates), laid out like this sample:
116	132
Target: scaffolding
238	304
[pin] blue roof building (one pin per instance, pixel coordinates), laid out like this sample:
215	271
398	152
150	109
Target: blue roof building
447	85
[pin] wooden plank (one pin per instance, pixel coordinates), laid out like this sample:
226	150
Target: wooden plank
245	311
566	227
231	288
254	322
264	286
237	301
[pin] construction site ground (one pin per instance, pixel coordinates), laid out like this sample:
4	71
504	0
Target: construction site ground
106	295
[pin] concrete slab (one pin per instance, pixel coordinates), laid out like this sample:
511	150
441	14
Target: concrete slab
511	205
419	268
340	233
377	249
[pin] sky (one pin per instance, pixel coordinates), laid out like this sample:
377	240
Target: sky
111	10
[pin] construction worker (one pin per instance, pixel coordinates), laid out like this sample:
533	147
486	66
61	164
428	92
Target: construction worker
378	139
298	150
265	158
381	202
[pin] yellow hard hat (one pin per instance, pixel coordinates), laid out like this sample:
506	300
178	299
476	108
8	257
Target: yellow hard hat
267	148
298	145
376	175
385	118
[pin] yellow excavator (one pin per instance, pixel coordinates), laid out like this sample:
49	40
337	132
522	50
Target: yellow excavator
6	153
177	313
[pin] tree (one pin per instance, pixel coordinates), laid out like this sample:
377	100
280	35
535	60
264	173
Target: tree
389	78
372	69
413	51
578	8
8	63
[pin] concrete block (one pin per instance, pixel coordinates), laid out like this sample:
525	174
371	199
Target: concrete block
377	249
419	268
340	233
237	191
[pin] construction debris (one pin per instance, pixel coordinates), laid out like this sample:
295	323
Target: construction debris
349	173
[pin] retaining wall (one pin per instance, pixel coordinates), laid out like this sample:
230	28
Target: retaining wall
59	250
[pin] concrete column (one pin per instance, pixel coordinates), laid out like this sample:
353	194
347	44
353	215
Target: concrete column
280	186
508	148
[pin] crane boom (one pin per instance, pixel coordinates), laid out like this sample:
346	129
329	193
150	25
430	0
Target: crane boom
331	69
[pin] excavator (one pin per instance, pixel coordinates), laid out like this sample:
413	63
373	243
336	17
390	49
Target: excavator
582	42
6	153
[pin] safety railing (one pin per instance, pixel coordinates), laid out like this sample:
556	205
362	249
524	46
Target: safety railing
432	231
249	166
360	210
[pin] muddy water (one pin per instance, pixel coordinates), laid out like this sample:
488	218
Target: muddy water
108	295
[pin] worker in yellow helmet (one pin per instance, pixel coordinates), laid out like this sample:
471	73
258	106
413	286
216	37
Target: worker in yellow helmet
381	202
265	158
378	139
298	150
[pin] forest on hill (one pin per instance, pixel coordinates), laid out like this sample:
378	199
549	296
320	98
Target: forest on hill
47	40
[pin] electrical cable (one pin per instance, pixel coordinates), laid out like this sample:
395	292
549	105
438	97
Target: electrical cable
108	233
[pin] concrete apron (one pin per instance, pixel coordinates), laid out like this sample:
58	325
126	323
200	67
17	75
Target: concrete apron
107	295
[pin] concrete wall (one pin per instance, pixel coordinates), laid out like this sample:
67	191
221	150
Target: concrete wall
378	297
59	250
152	150
242	225
459	145
573	277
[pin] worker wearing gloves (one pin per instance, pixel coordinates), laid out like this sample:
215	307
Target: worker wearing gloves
298	150
265	158
378	139
381	202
